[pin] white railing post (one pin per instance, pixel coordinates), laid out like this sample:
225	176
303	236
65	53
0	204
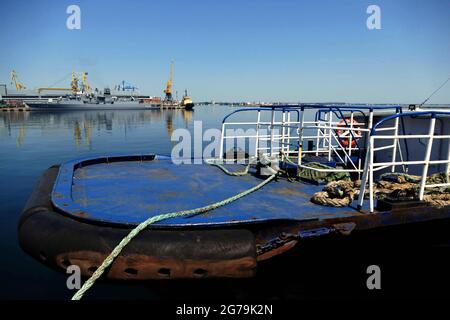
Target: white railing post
300	137
448	159
394	149
350	141
222	138
283	119
330	124
318	125
362	189
427	157
257	133
371	156
289	129
271	131
369	126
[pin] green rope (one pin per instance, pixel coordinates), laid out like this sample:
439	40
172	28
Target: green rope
288	159
228	172
317	176
400	177
118	249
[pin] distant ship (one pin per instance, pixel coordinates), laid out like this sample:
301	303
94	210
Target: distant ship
78	104
186	102
106	101
96	100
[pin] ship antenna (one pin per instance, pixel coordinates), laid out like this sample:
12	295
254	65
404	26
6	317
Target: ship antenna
425	101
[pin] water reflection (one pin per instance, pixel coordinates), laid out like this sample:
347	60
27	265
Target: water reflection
17	125
83	135
21	135
31	142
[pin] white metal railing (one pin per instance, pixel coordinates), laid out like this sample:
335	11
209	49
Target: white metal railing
371	165
285	130
337	134
273	136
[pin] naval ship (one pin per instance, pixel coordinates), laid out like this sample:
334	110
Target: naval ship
105	101
80	96
98	100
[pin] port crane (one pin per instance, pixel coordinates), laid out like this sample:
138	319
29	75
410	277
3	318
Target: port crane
85	87
75	85
168	90
125	86
19	86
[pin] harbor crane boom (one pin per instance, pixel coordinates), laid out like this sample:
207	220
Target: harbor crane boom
19	86
75	84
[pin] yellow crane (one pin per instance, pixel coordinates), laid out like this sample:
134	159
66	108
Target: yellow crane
73	85
168	90
86	86
14	81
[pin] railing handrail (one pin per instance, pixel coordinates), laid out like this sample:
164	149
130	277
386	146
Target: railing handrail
331	107
327	129
266	109
408	114
337	106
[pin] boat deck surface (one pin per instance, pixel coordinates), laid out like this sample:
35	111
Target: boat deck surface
130	191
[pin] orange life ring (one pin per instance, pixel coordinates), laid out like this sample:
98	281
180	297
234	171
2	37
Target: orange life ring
344	134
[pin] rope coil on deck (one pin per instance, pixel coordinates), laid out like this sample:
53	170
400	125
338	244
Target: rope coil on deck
118	249
336	194
400	186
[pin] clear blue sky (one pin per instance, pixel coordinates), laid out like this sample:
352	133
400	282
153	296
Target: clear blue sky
236	50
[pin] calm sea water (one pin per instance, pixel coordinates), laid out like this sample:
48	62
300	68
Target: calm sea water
32	142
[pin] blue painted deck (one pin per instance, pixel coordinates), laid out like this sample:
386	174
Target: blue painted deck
128	192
